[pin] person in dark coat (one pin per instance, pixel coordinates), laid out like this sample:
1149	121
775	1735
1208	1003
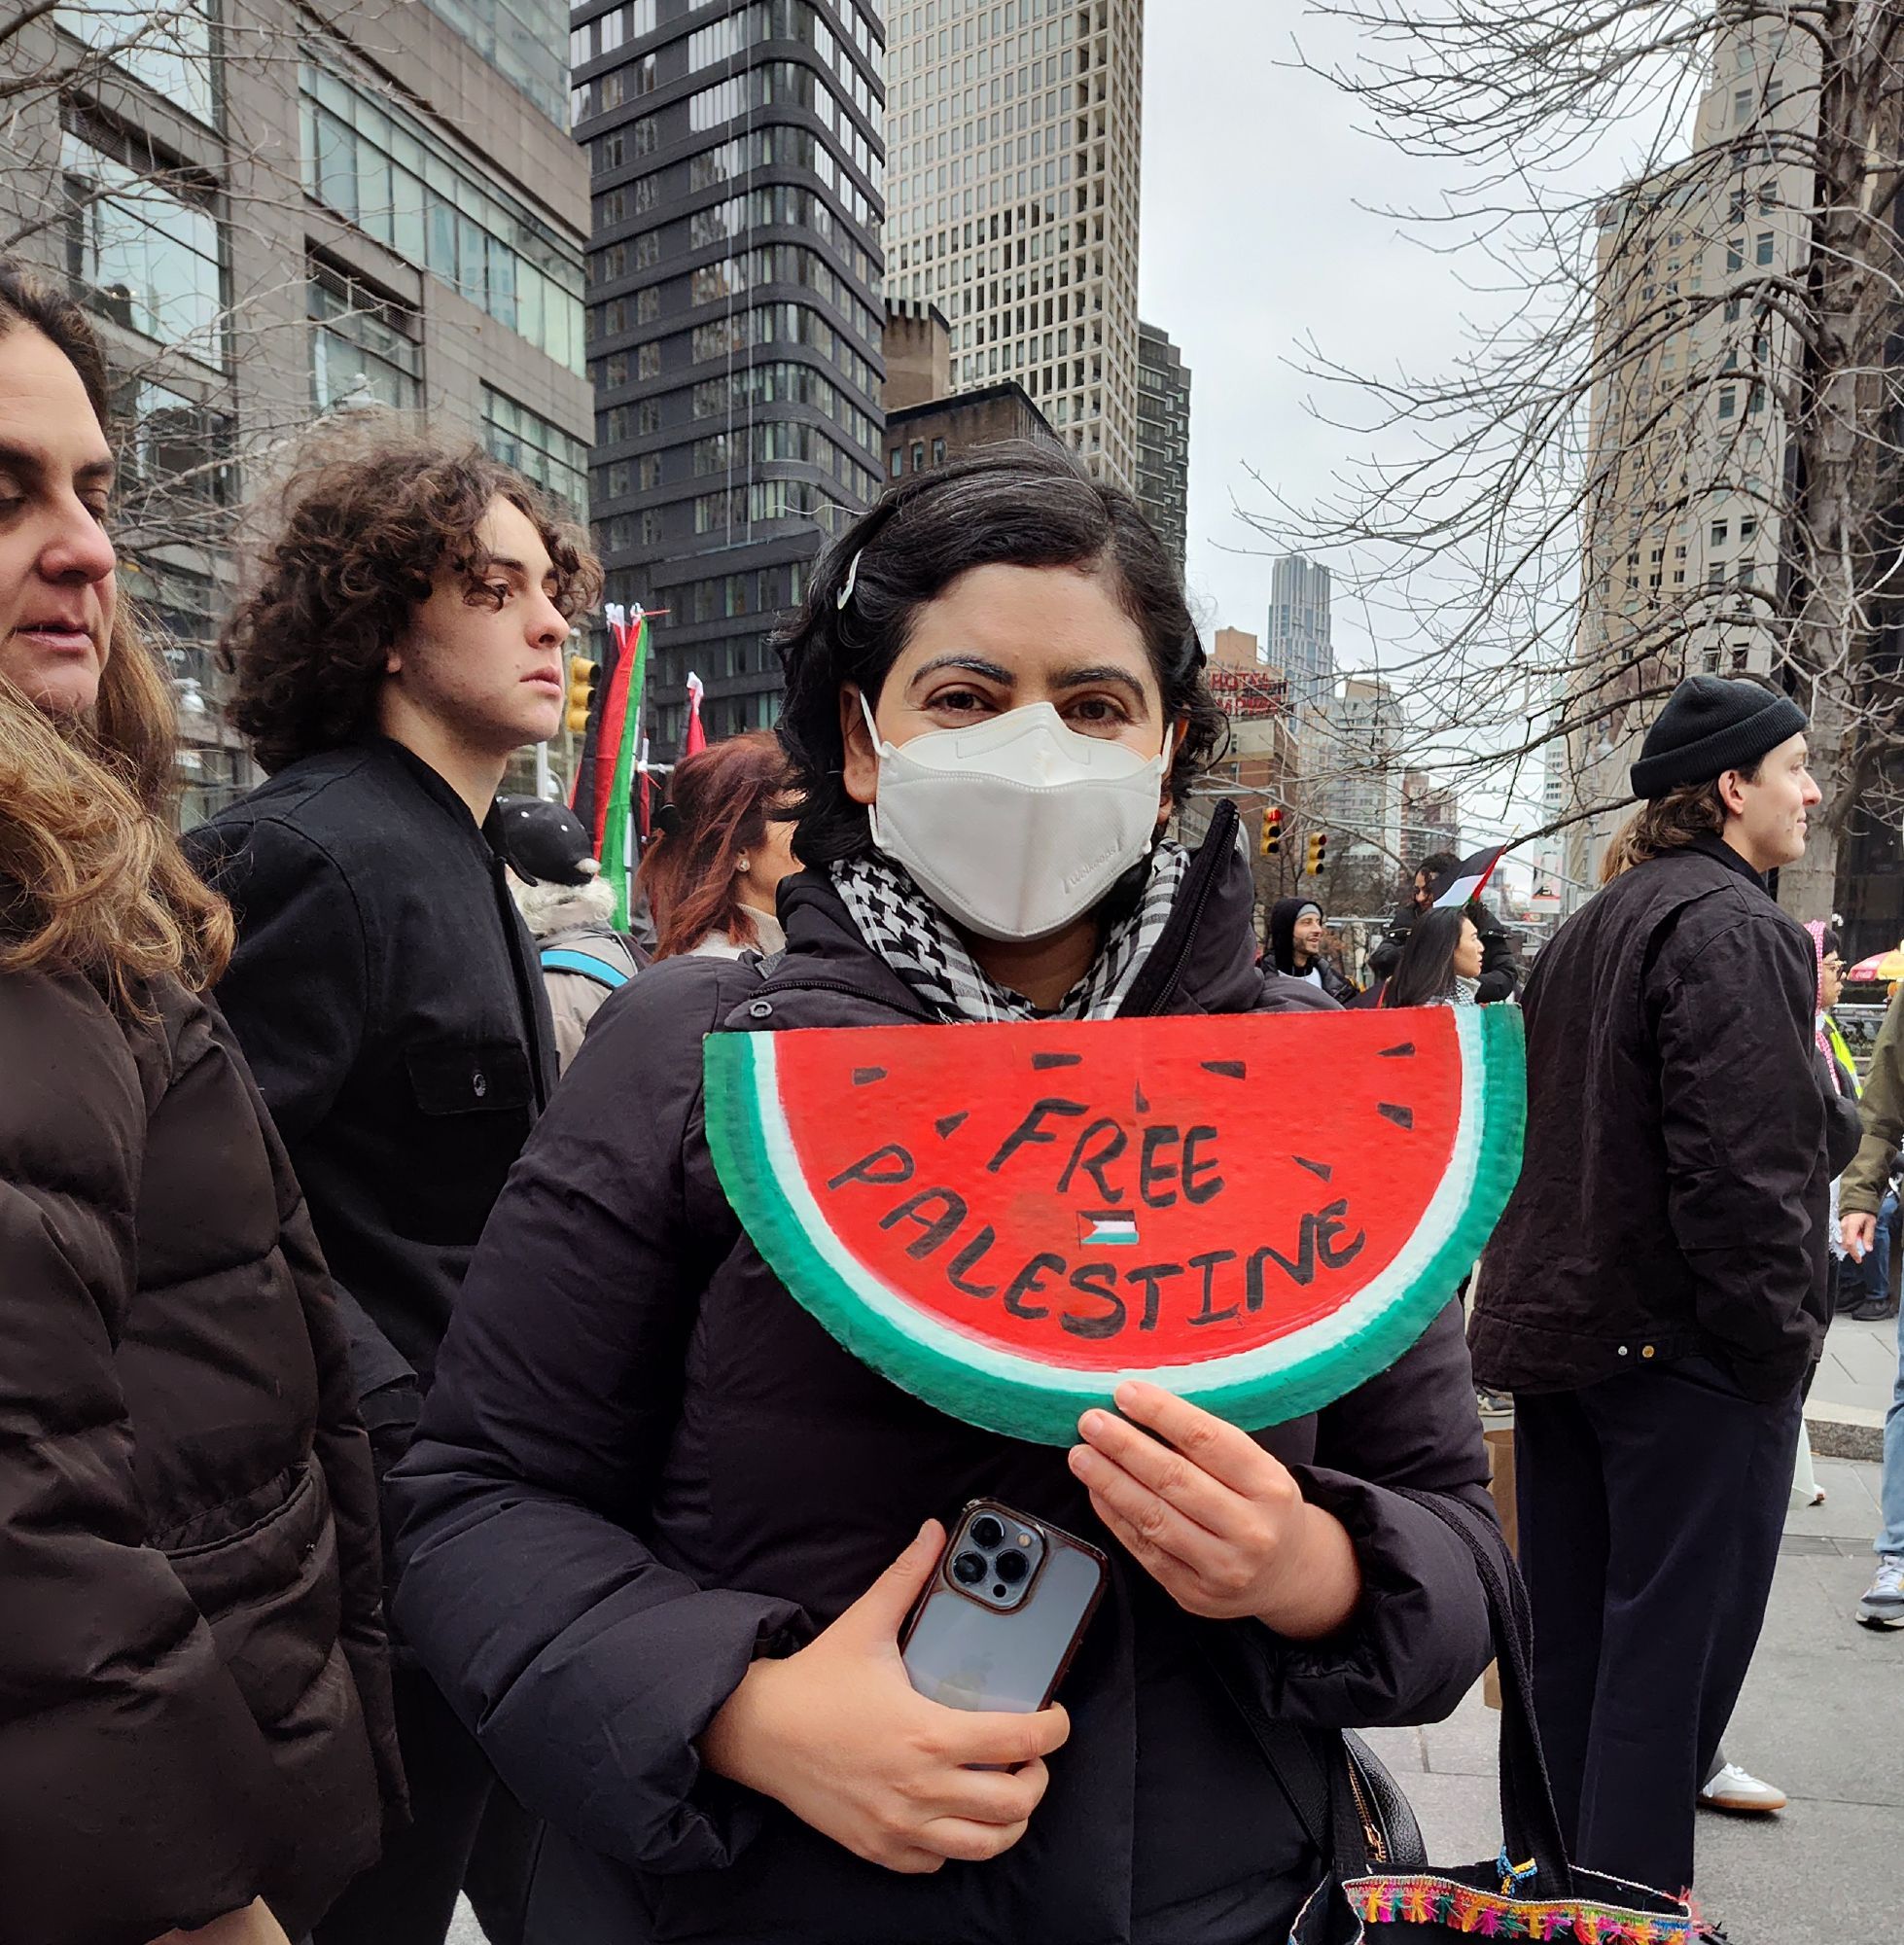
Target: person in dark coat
1655	1290
384	986
1500	972
1296	949
661	1529
195	1730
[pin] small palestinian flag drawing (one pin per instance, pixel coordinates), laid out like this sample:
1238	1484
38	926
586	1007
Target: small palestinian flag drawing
1471	874
1112	1227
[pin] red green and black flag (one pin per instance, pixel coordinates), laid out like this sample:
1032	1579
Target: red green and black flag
605	776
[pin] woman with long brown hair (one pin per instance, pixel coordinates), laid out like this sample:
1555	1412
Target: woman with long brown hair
195	1734
712	874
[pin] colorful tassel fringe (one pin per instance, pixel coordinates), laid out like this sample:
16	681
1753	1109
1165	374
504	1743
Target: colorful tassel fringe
1480	1914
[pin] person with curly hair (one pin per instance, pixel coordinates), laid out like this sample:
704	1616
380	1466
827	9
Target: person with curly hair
196	1731
401	635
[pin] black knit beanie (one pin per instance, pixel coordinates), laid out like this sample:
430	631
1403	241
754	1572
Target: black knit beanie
1713	723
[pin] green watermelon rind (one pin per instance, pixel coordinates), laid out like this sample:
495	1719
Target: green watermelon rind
1026	1397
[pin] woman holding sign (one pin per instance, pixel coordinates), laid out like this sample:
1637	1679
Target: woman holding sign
664	1529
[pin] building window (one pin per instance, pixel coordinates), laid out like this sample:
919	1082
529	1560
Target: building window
362	348
918	456
648	360
541	452
142	253
897	461
384	170
938	453
169	49
1728	402
1762	247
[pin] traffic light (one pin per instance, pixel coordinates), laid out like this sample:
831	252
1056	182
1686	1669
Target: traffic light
581	694
1271	841
1319	852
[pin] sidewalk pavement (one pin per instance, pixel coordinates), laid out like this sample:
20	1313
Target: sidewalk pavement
1823	1717
1852	1390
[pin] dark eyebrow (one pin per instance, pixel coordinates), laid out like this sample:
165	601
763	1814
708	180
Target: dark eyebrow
971	664
1081	678
32	465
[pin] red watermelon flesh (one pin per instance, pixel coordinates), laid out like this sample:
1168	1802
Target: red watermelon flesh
1256	1210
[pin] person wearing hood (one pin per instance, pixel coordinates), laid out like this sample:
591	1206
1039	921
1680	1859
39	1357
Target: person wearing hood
662	1529
569	907
1295	945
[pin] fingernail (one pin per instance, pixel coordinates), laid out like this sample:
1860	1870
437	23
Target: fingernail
1127	1394
1083	1460
1092	1423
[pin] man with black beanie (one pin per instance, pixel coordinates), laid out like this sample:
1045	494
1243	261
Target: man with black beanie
1656	1288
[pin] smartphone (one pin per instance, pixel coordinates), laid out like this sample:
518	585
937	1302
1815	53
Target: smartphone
1003	1611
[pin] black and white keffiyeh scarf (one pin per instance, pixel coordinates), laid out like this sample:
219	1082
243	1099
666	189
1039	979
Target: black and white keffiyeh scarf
920	943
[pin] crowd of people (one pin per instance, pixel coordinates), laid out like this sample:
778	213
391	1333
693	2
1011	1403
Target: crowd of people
414	1481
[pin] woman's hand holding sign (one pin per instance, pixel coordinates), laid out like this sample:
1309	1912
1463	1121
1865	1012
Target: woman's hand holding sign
1216	1521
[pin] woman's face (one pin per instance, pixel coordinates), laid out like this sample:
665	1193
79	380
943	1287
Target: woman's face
1831	982
999	638
58	590
1467	954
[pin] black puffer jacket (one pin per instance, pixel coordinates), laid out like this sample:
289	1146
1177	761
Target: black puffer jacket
643	1460
1680	1155
194	1705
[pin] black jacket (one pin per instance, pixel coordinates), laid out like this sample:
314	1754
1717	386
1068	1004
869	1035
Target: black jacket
643	1460
1281	953
389	999
1673	1200
1500	972
194	1707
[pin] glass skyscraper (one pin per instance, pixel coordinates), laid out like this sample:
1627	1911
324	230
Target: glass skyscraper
734	318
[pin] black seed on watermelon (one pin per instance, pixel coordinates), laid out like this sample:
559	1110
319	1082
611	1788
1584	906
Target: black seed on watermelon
1400	1053
1230	1069
865	1076
1321	1168
1403	1118
947	1124
1043	1060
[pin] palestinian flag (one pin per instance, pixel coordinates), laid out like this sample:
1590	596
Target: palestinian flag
1471	874
605	776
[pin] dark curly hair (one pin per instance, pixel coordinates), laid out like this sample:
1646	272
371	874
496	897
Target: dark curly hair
367	514
1013	504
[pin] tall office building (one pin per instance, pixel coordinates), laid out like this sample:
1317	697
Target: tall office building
1297	638
734	318
271	217
1014	127
1163	438
1687	436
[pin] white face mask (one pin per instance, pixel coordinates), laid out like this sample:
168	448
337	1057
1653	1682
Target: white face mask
1016	825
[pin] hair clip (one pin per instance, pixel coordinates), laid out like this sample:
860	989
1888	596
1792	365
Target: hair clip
845	594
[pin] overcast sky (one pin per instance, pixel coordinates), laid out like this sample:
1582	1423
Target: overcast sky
1253	239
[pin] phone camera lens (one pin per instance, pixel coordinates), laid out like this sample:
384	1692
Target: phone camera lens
1011	1567
967	1569
986	1532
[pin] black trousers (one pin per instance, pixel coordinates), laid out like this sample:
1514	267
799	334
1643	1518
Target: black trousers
1650	1512
466	1831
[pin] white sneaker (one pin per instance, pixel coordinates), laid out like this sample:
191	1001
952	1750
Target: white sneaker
1882	1606
1740	1792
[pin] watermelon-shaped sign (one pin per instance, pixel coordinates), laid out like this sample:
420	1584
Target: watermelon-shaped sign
1257	1210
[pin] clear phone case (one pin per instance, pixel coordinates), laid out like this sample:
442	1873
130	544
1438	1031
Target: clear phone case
962	1649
